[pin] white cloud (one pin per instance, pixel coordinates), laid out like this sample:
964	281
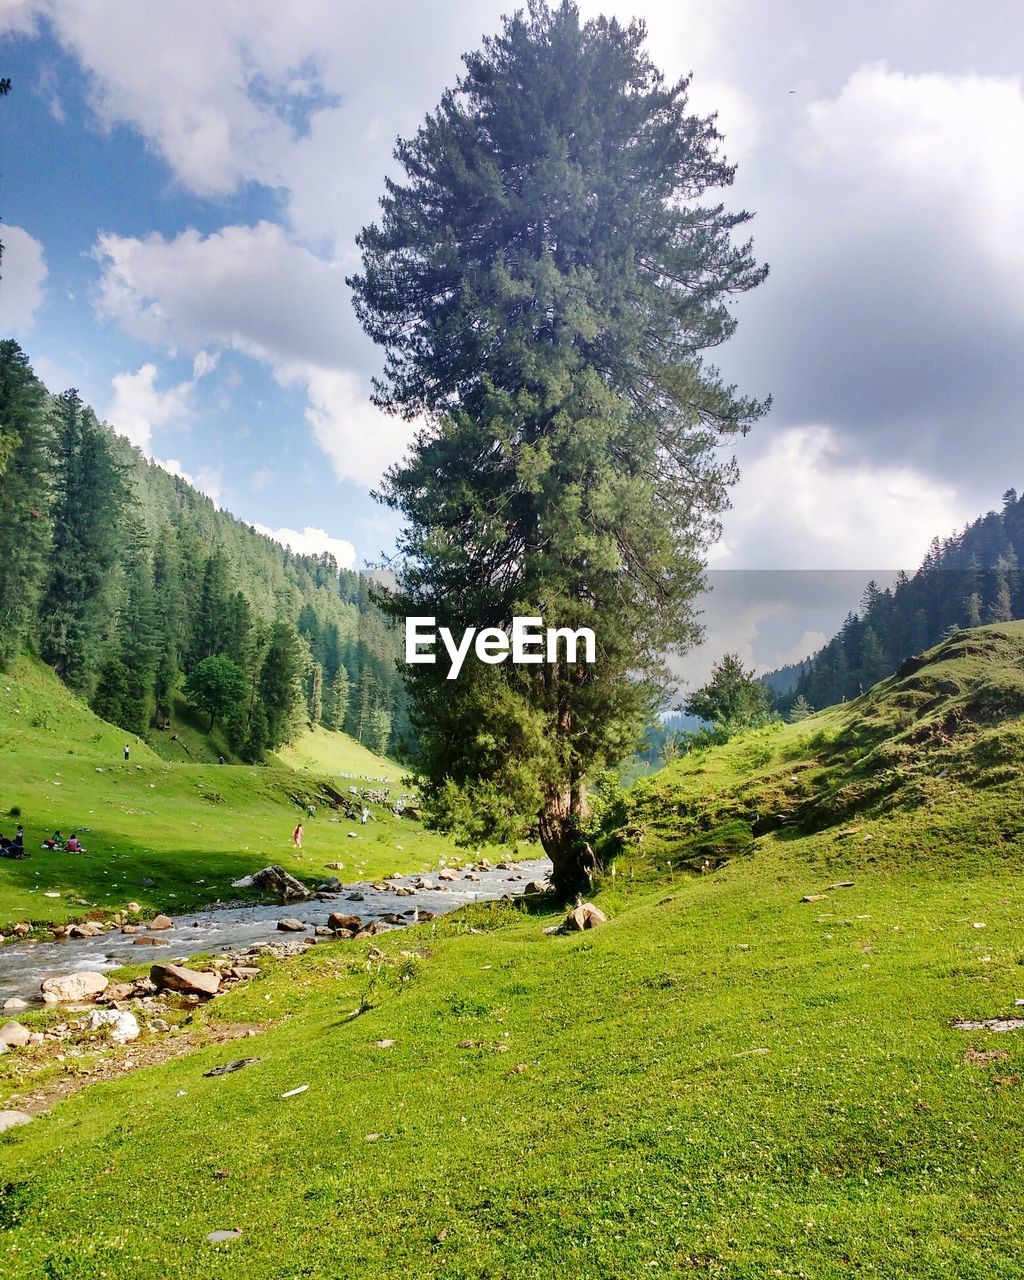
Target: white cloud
802	503
209	480
944	148
360	440
23	274
312	542
174	468
204	363
261	479
253	290
138	407
808	644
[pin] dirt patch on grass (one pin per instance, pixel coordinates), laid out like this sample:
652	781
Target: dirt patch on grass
48	1079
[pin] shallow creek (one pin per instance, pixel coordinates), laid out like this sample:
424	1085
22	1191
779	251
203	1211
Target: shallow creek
23	965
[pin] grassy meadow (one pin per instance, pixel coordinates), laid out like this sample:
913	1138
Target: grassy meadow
169	835
724	1080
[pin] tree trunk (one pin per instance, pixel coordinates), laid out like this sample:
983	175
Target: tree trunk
560	824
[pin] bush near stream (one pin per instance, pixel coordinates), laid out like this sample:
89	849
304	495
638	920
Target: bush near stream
724	1080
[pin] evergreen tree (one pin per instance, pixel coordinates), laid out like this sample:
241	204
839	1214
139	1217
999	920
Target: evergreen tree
24	527
544	281
280	688
800	710
733	699
90	493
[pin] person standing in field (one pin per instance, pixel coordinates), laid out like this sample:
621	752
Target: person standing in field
297	836
127	751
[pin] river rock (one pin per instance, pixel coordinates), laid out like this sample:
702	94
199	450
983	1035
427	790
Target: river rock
83	985
338	920
535	887
118	991
161	922
585	916
123	1025
87	929
329	885
14	1005
290	925
275	880
11	1119
147	941
174	977
14	1035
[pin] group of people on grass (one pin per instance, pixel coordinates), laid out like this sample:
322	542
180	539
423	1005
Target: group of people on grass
16	848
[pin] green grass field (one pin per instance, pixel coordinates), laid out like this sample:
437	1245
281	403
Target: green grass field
189	829
724	1080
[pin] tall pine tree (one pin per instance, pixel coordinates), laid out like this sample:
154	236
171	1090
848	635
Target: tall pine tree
544	280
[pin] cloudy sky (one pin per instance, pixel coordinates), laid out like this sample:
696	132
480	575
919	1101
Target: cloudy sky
181	185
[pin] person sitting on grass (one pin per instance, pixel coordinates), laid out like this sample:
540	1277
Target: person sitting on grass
12	848
73	845
56	841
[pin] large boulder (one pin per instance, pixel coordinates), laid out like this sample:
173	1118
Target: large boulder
14	1035
72	987
175	977
585	916
276	881
288	924
160	922
338	920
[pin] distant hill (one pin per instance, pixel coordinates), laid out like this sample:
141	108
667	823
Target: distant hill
971	578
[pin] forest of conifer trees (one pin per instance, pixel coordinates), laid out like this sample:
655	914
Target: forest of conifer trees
969	579
139	593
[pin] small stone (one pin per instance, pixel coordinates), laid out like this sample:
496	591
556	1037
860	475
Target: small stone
383	1044
147	941
14	1035
11	1119
290	925
218	1237
228	1068
123	1025
814	897
294	1092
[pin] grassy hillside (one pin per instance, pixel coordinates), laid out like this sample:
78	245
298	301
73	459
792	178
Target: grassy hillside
338	755
165	835
724	1080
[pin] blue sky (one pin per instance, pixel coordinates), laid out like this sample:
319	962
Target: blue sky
181	185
